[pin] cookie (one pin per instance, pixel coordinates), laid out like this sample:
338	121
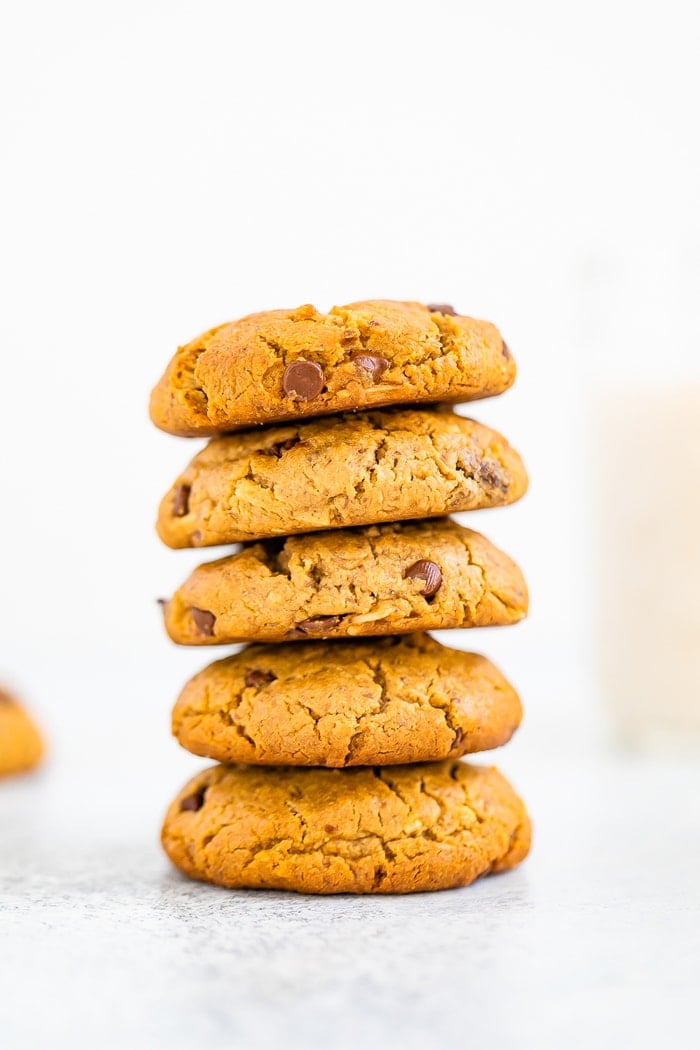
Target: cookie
289	364
352	470
379	579
396	829
380	702
21	747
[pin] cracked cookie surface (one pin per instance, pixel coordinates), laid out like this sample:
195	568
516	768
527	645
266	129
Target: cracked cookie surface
289	364
346	703
374	580
21	746
396	829
356	469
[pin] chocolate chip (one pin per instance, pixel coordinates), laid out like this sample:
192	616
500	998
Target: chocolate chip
505	351
330	829
374	365
318	624
204	621
459	737
257	679
427	571
192	803
280	447
491	475
442	308
181	501
303	380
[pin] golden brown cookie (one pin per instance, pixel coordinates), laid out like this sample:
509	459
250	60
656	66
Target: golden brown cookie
379	579
396	829
289	364
346	703
351	470
21	747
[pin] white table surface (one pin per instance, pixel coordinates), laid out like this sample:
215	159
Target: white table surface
594	941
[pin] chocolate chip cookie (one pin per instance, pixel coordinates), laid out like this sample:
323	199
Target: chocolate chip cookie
21	746
352	470
289	364
382	702
378	579
397	829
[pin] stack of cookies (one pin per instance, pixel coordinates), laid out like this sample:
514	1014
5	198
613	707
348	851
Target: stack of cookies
340	726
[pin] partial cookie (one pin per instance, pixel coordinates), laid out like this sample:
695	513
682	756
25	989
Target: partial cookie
380	579
290	364
353	470
397	829
381	702
21	747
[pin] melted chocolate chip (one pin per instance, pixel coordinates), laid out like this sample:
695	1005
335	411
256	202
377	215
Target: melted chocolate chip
318	624
491	475
505	351
442	308
427	571
330	829
193	803
372	364
280	447
204	621
258	679
459	737
181	501
303	380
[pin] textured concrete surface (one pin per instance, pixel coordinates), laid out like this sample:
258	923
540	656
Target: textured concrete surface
594	941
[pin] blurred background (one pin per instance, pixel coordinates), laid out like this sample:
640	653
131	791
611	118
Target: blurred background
168	167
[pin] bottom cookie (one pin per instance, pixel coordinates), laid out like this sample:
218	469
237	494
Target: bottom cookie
394	829
20	743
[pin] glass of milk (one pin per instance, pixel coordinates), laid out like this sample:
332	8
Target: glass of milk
645	576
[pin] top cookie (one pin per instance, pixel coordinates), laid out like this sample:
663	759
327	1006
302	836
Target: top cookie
290	364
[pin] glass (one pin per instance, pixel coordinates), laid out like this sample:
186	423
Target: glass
646	579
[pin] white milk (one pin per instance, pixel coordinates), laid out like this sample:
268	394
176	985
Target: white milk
646	573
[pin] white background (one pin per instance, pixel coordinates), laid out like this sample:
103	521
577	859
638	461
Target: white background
167	166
